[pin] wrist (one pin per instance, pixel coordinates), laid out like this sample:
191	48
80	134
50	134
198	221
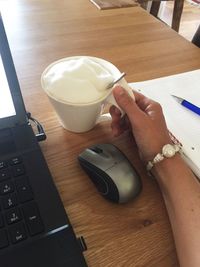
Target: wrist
171	173
167	167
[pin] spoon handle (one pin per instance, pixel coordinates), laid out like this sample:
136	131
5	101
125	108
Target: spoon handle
116	80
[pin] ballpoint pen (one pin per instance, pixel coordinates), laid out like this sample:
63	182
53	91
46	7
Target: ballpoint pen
187	104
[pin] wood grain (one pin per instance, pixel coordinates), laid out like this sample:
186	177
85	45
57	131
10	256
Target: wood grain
40	32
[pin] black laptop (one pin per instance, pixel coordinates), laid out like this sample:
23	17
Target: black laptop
34	228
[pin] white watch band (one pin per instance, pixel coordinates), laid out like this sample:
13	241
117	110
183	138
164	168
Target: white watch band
168	151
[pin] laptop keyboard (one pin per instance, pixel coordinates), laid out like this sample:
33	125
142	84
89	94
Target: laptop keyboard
19	213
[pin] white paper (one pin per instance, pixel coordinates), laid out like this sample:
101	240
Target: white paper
183	123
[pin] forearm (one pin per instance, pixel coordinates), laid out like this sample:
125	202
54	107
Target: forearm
180	189
181	192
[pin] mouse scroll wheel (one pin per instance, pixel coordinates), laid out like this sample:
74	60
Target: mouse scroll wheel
97	150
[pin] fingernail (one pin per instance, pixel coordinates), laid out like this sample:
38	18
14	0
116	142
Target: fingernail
119	90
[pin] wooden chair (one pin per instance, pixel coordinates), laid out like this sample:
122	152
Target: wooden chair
196	38
177	12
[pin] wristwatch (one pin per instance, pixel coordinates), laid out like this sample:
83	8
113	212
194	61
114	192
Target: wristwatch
168	151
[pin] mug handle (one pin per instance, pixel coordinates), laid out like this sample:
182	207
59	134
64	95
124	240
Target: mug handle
104	117
111	100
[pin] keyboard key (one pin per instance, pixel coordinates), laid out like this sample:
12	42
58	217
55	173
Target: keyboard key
3	239
13	216
24	190
1	221
32	218
9	201
17	232
18	170
4	174
6	187
3	165
15	161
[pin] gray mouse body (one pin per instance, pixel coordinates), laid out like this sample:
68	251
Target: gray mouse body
111	172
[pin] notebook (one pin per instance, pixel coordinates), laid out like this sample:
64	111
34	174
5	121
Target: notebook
34	227
181	122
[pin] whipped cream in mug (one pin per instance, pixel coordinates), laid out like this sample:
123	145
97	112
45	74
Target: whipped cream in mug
78	80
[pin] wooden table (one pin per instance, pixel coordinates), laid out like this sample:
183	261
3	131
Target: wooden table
40	32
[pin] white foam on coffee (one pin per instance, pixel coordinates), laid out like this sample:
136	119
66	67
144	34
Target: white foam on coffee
77	81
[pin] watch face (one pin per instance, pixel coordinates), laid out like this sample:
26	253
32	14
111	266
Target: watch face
168	151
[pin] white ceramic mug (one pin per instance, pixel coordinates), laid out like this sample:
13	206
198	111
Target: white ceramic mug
83	117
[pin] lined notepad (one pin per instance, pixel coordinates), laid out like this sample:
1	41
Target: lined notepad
181	122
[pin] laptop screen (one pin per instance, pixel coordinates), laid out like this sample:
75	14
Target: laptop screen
7	108
12	109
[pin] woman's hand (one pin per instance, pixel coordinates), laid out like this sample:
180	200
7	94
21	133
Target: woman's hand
144	118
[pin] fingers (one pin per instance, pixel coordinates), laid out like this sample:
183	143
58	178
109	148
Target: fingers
127	104
114	112
141	103
145	119
119	124
138	111
144	102
116	116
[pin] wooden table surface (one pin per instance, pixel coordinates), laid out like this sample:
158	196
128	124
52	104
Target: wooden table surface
40	32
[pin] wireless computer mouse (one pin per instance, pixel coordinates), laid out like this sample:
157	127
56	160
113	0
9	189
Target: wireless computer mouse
111	172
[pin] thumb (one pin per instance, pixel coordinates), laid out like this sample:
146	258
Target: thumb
126	103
